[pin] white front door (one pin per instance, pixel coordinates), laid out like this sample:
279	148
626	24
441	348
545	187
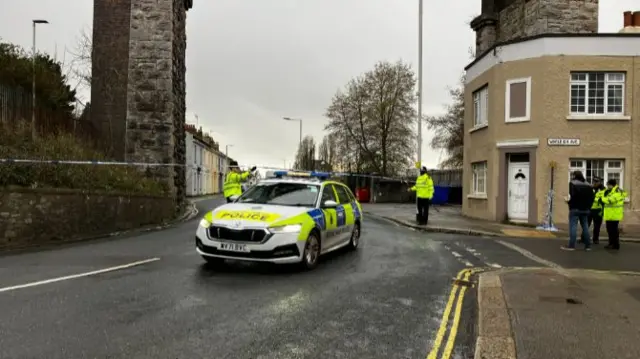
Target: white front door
518	191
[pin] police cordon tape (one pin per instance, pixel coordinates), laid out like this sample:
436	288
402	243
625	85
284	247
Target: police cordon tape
195	166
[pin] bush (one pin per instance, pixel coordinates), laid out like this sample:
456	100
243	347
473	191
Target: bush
16	143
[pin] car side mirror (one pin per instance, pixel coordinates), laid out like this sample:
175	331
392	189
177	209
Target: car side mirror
330	204
234	198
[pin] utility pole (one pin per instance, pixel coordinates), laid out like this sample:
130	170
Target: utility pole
295	119
34	130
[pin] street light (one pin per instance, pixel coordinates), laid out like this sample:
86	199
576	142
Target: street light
295	119
226	151
420	11
34	132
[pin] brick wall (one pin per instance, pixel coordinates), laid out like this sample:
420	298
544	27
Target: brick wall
39	217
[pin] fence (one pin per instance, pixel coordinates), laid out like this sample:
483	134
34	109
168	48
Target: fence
448	185
16	106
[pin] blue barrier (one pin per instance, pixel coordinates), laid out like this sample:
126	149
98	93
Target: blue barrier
440	195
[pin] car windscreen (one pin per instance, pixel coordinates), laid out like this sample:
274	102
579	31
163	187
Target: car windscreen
282	194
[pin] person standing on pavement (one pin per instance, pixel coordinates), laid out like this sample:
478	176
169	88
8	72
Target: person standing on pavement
424	194
596	209
580	200
613	202
233	182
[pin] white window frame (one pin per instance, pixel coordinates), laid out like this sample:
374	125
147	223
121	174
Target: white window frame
481	108
608	168
478	170
607	83
507	100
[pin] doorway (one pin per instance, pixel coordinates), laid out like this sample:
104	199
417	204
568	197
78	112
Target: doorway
518	178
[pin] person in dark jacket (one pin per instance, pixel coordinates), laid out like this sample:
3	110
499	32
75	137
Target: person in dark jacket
580	200
597	209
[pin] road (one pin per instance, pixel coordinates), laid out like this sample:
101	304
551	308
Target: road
384	301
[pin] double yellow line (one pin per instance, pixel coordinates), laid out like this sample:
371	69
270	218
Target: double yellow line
457	292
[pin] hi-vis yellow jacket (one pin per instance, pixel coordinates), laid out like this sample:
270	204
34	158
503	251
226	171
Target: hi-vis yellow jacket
424	186
614	204
233	183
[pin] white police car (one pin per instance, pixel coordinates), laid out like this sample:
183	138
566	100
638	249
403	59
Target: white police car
294	218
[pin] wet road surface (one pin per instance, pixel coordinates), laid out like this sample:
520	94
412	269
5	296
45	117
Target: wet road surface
383	301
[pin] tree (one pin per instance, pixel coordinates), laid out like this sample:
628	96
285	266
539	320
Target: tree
327	152
449	129
306	156
372	119
81	62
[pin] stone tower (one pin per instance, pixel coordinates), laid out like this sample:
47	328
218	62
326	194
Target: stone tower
138	83
503	20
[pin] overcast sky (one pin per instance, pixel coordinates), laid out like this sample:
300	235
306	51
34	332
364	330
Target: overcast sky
251	62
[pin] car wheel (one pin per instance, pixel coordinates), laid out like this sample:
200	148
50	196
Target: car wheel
355	237
311	253
213	261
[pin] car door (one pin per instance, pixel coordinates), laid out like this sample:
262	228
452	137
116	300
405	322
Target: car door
329	235
344	213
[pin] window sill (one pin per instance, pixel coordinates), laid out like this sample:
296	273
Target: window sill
477	196
517	120
479	127
598	118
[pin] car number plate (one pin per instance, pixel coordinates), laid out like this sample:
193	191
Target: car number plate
234	247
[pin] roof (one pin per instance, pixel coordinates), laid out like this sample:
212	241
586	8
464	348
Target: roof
534	37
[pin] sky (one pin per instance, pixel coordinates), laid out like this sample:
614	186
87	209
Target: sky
252	62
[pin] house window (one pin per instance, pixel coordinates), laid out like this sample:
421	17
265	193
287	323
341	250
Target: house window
518	100
605	169
597	93
479	185
481	107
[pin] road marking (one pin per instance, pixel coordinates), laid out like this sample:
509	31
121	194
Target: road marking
79	275
494	265
444	323
529	255
453	333
467	263
456	254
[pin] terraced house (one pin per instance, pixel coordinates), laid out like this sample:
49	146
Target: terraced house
546	95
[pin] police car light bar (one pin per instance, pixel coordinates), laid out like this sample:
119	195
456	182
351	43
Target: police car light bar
304	174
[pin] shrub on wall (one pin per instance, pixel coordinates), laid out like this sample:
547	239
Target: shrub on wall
16	143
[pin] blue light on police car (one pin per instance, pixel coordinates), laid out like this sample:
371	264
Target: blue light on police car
314	174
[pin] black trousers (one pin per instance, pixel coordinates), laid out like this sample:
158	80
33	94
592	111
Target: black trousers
595	217
614	233
422	217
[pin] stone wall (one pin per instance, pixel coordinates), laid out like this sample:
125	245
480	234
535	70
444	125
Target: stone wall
504	20
110	68
154	106
39	217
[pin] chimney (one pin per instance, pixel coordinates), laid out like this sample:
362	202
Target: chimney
628	19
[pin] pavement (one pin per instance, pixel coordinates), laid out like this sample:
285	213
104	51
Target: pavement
449	219
149	295
552	313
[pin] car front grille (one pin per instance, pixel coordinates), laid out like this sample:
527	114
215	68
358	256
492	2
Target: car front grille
240	235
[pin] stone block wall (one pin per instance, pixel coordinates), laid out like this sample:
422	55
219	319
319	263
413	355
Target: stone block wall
110	68
512	19
152	110
38	217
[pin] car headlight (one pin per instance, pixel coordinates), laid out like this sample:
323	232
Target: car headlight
204	223
290	228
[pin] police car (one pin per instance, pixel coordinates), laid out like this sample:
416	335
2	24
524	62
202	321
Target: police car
293	218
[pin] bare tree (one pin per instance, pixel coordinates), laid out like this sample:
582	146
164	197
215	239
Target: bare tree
81	61
374	116
306	156
327	152
449	129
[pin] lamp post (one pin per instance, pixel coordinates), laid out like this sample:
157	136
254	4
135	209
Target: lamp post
226	151
420	11
295	119
34	132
